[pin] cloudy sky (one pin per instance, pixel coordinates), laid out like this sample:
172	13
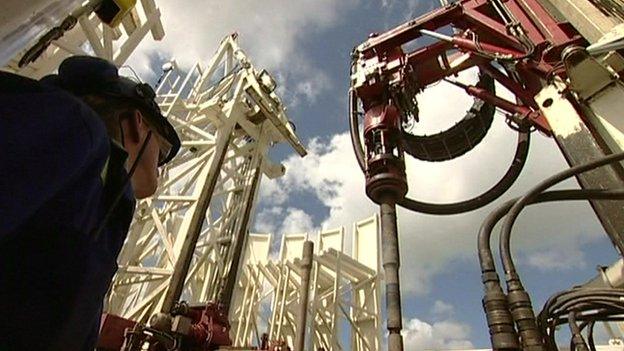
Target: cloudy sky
306	45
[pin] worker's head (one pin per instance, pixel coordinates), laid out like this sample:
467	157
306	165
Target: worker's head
127	125
131	116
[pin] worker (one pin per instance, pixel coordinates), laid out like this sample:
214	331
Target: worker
76	149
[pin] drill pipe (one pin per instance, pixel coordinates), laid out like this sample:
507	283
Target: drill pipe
391	263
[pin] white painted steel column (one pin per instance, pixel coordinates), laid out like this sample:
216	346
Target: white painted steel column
190	228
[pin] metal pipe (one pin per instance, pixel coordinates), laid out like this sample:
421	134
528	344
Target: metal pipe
516	88
241	238
391	263
304	289
437	35
518	299
181	268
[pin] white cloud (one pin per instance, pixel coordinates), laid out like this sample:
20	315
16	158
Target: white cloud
408	9
283	220
444	335
271	192
265	221
296	221
269	31
442	309
563	258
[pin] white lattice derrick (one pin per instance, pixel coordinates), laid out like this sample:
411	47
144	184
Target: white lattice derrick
224	147
324	277
292	246
333	238
344	290
365	310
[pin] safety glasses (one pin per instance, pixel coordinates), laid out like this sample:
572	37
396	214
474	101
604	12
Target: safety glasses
164	146
144	96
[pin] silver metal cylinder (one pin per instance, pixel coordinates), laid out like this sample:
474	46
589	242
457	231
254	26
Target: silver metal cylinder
391	263
306	268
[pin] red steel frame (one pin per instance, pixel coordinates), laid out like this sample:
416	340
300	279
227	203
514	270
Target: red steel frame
429	64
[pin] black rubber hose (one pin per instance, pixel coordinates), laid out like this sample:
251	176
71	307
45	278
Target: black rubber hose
552	306
600	310
518	299
589	322
560	302
496	307
586	318
354	128
612	301
590	336
513	172
486	258
577	342
505	249
582	291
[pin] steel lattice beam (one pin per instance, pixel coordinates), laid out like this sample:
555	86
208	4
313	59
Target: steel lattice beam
181	242
344	294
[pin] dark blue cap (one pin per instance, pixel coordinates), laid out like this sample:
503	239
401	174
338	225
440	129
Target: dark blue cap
84	75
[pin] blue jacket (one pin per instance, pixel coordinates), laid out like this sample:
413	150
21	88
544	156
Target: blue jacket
54	273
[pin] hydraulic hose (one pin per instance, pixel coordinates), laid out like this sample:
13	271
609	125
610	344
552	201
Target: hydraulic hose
587	304
517	298
577	342
486	258
513	172
500	321
354	129
505	249
590	336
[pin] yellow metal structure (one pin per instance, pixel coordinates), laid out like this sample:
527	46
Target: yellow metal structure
112	12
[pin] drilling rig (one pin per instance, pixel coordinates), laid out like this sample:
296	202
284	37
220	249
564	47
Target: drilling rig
179	265
562	62
561	59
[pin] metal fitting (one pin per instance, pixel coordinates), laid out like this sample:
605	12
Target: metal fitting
579	342
503	335
524	317
385	174
181	325
161	321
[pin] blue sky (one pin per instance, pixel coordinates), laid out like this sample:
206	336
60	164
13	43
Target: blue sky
306	46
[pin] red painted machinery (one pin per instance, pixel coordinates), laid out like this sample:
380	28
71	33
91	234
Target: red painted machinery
515	43
518	37
198	328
